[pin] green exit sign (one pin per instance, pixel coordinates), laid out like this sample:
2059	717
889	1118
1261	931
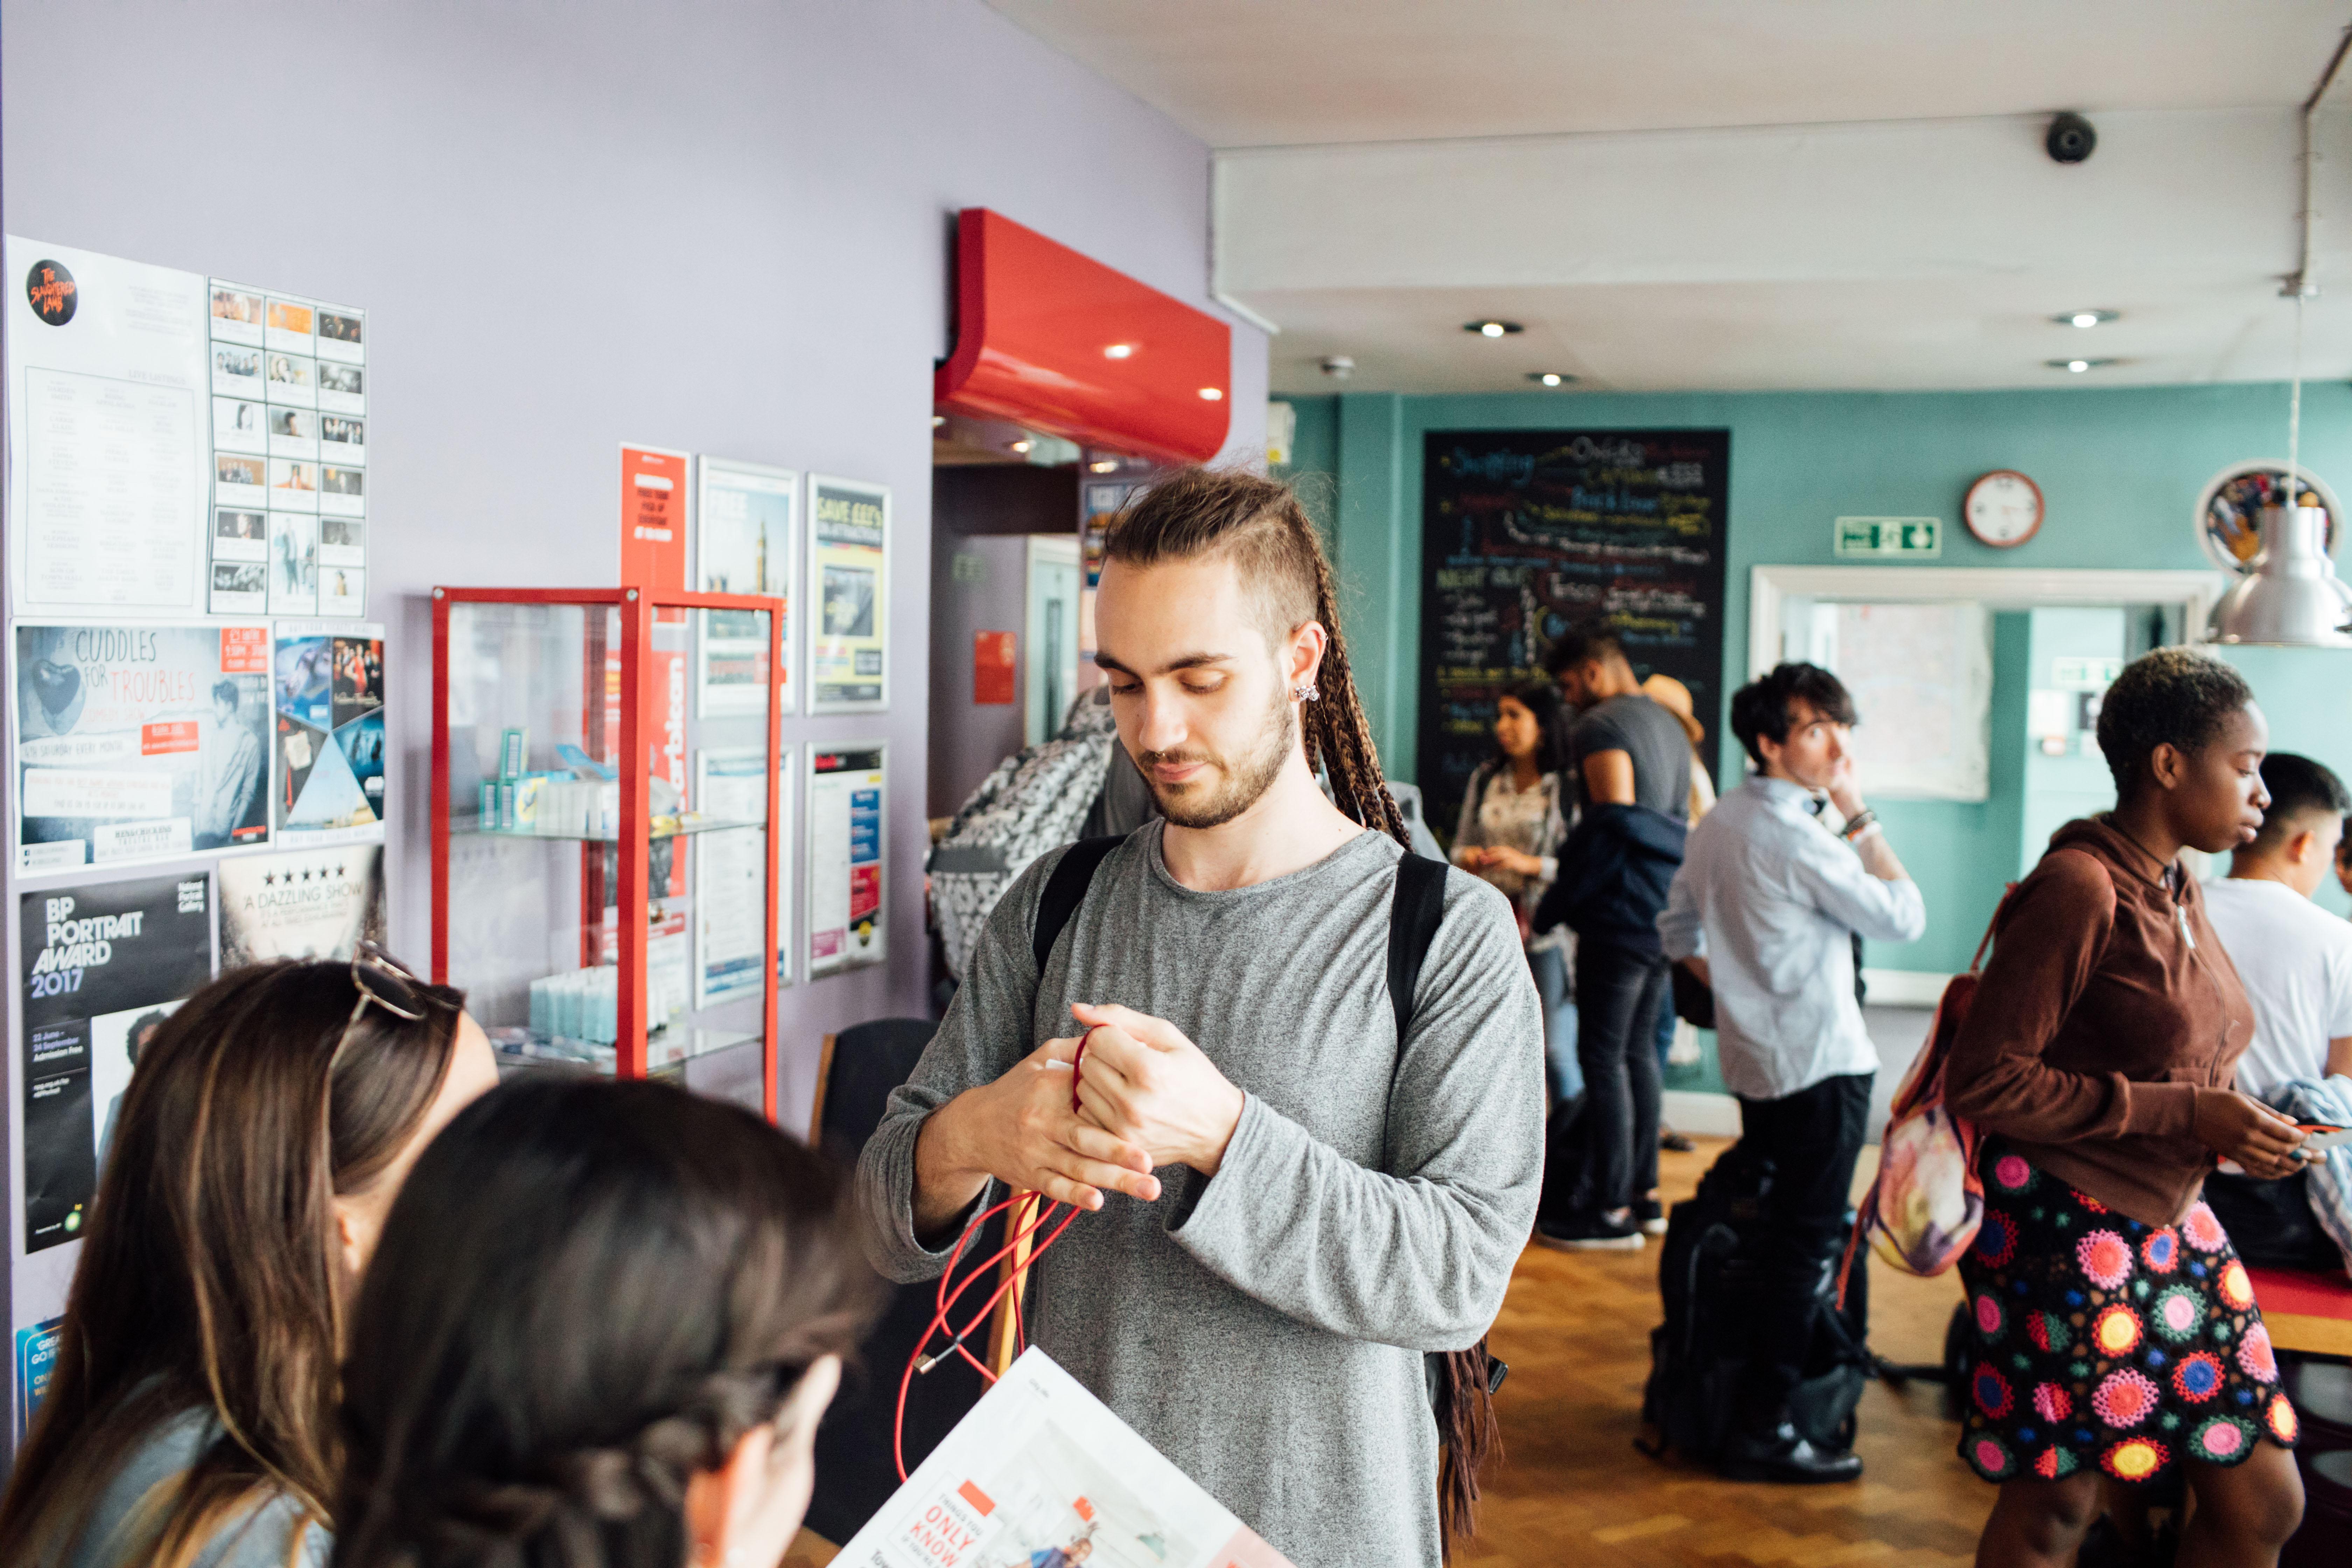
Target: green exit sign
1897	538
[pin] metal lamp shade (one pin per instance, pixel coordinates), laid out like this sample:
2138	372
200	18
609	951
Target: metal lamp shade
2292	596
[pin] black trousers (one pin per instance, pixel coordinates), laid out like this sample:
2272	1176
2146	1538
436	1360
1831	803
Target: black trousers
1812	1138
1618	996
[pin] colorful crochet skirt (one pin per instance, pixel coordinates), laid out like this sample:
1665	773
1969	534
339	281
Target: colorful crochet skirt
2101	1340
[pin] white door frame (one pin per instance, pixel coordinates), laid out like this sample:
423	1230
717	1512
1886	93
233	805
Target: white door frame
1995	587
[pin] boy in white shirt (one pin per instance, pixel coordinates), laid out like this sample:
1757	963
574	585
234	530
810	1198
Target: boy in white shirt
2295	957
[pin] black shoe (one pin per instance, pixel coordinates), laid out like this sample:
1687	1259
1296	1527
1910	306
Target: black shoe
1651	1215
1588	1232
1781	1456
1675	1143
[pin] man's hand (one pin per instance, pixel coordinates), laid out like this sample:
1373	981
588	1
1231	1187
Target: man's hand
2239	1127
1845	787
1020	1130
1147	1085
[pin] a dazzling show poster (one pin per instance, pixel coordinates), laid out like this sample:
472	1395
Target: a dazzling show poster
312	903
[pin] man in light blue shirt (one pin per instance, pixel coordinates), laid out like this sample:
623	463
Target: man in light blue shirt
1764	910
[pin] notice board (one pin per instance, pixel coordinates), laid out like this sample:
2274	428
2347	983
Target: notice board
1528	532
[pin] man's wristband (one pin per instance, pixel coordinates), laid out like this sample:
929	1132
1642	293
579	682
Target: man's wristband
1869	830
1859	823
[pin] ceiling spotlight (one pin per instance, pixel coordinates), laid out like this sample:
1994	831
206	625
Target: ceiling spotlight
938	420
2085	317
1550	377
1491	329
2076	367
1119	351
1104	466
1339	367
1212	394
1021	445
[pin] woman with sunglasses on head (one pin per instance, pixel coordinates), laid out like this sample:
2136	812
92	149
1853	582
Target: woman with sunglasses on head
263	1135
605	1321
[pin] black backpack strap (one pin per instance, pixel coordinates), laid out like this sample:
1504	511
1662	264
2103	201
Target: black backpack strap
1413	918
1066	890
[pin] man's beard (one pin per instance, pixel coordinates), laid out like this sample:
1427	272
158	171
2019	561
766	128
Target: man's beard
1243	783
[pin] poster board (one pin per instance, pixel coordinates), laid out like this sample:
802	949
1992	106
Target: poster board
138	741
1525	533
732	783
849	583
847	790
654	495
746	540
107	438
326	684
319	902
1921	679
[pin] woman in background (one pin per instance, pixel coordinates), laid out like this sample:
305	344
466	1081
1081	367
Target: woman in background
604	1322
2116	1330
192	1420
1514	820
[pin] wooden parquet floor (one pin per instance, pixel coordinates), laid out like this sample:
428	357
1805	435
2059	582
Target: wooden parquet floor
1573	1489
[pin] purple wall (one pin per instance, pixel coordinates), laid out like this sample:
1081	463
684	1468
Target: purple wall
721	228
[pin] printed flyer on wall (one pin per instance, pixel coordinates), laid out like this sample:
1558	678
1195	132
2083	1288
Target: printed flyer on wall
106	433
36	1363
289	443
328	678
849	576
139	742
731	869
744	542
104	965
312	903
1040	1472
845	793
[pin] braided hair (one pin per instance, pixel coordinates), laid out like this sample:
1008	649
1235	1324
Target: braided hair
587	1293
1259	525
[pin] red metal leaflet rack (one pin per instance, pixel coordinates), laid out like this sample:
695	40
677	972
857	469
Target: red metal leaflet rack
608	683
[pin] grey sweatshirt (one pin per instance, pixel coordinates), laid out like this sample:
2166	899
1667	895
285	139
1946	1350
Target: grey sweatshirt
1265	1329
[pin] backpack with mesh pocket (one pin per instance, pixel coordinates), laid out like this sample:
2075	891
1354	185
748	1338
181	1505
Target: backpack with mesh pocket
1925	1203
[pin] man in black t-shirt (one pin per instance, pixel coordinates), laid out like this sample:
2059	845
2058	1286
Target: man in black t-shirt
1631	763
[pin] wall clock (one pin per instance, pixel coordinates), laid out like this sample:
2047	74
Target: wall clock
2004	509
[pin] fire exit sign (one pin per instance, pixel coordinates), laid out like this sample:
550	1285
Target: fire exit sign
1889	538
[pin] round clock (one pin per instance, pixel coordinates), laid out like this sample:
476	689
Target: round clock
2004	509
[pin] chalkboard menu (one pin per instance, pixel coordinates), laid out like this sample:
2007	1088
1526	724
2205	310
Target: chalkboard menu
1528	532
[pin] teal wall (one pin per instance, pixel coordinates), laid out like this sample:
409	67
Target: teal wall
2120	471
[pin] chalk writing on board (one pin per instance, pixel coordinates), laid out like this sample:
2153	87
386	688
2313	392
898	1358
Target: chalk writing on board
1528	532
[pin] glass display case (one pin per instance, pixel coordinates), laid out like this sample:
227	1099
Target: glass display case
606	824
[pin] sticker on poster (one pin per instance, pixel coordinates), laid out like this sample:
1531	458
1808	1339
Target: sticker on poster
237	314
312	903
328	681
343	491
849	577
343	592
846	791
730	867
294	432
103	966
240	588
343	389
37	1364
342	438
240	424
745	541
289	327
240	479
289	379
293	564
138	742
341	333
109	419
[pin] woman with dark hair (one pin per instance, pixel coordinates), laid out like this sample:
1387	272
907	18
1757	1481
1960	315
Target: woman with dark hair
272	1119
607	1319
1514	819
2117	1333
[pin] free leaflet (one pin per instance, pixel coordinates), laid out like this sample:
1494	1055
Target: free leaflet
1041	1475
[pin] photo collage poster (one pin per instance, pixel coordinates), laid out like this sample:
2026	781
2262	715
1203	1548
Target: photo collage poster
138	742
327	680
289	515
102	967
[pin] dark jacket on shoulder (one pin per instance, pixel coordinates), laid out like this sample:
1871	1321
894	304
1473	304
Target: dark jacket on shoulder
1614	871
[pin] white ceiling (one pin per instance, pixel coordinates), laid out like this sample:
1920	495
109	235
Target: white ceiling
1749	194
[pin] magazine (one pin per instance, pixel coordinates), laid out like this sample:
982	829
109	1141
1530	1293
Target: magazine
1041	1475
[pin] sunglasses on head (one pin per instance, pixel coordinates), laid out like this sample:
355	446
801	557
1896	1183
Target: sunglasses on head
384	980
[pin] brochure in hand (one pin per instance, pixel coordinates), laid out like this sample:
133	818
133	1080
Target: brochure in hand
1041	1475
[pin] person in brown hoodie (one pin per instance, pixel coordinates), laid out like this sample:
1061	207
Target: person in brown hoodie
2115	1331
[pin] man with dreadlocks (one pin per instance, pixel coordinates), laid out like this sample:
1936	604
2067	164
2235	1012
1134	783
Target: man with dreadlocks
1291	1205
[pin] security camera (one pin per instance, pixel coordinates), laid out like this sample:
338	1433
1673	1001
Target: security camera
2071	139
1339	367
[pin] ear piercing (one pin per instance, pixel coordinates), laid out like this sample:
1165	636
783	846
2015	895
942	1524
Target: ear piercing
1305	692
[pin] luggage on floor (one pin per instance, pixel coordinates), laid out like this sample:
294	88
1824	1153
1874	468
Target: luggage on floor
1707	1274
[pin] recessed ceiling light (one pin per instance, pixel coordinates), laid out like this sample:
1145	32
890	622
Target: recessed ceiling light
1021	445
1106	466
938	420
2077	366
1212	394
2085	317
1119	351
1493	329
1550	377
